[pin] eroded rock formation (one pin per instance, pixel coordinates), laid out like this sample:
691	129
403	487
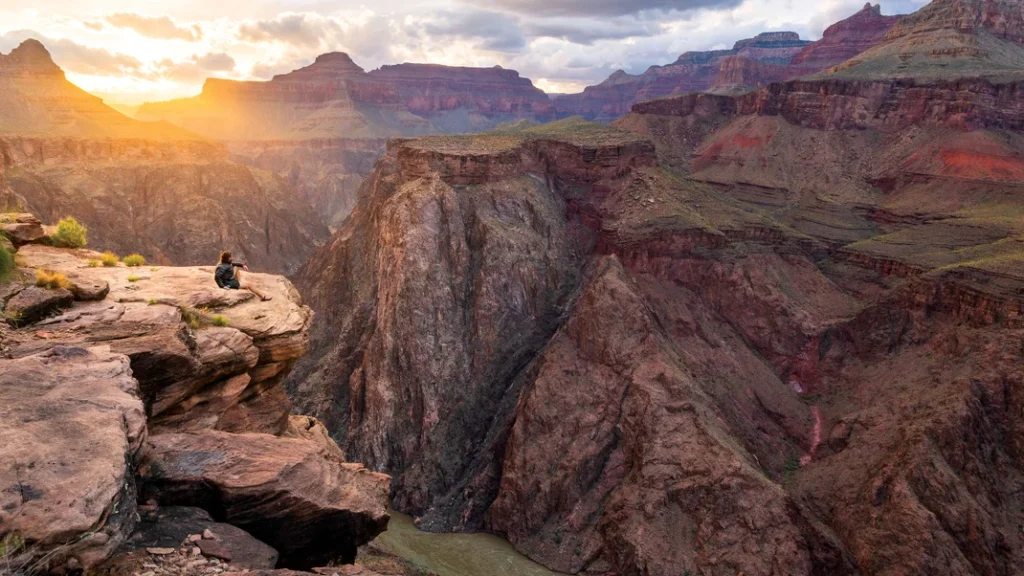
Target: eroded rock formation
151	384
785	339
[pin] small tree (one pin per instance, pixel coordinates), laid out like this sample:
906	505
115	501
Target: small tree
70	234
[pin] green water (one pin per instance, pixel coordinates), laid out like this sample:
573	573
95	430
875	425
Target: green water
456	554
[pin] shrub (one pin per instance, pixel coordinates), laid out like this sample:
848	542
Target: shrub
94	263
152	302
51	280
134	260
7	264
219	320
133	278
109	259
69	234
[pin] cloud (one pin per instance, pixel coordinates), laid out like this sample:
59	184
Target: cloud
306	35
488	30
607	7
197	68
306	30
588	31
75	57
161	27
215	62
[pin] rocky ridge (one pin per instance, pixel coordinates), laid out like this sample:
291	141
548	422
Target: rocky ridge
334	97
767	58
150	385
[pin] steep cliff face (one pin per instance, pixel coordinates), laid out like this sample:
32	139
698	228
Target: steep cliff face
327	173
146	389
784	340
173	202
846	39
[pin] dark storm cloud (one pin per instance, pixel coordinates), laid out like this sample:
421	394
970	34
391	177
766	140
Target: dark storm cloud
607	7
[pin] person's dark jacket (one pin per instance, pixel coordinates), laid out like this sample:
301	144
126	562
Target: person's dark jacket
225	275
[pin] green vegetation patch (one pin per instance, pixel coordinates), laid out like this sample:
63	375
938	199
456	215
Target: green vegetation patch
70	234
134	260
7	264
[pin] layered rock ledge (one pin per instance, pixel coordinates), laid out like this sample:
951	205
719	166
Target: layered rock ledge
148	380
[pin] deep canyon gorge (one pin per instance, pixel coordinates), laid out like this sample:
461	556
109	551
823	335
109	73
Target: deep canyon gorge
759	311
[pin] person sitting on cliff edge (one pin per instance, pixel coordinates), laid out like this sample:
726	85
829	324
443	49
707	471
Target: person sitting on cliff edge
230	279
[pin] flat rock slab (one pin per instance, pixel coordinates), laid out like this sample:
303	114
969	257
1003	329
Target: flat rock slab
71	425
313	508
168	527
34	304
279	328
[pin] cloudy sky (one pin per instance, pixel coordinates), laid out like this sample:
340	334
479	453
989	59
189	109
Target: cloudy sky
129	51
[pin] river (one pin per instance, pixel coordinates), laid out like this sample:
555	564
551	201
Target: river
456	554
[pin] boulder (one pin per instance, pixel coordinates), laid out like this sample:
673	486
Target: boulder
72	426
21	228
313	509
89	289
170	526
34	303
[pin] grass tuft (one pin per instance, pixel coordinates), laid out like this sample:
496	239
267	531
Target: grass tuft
52	280
70	234
94	263
109	259
197	318
133	278
191	317
134	260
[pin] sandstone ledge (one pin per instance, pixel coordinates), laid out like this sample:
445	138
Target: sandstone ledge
127	359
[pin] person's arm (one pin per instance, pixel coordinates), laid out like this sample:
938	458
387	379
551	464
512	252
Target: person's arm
218	277
240	265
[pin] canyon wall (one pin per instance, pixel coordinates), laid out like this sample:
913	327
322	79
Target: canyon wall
768	333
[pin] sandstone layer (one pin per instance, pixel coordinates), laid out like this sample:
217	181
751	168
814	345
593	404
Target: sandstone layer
140	383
